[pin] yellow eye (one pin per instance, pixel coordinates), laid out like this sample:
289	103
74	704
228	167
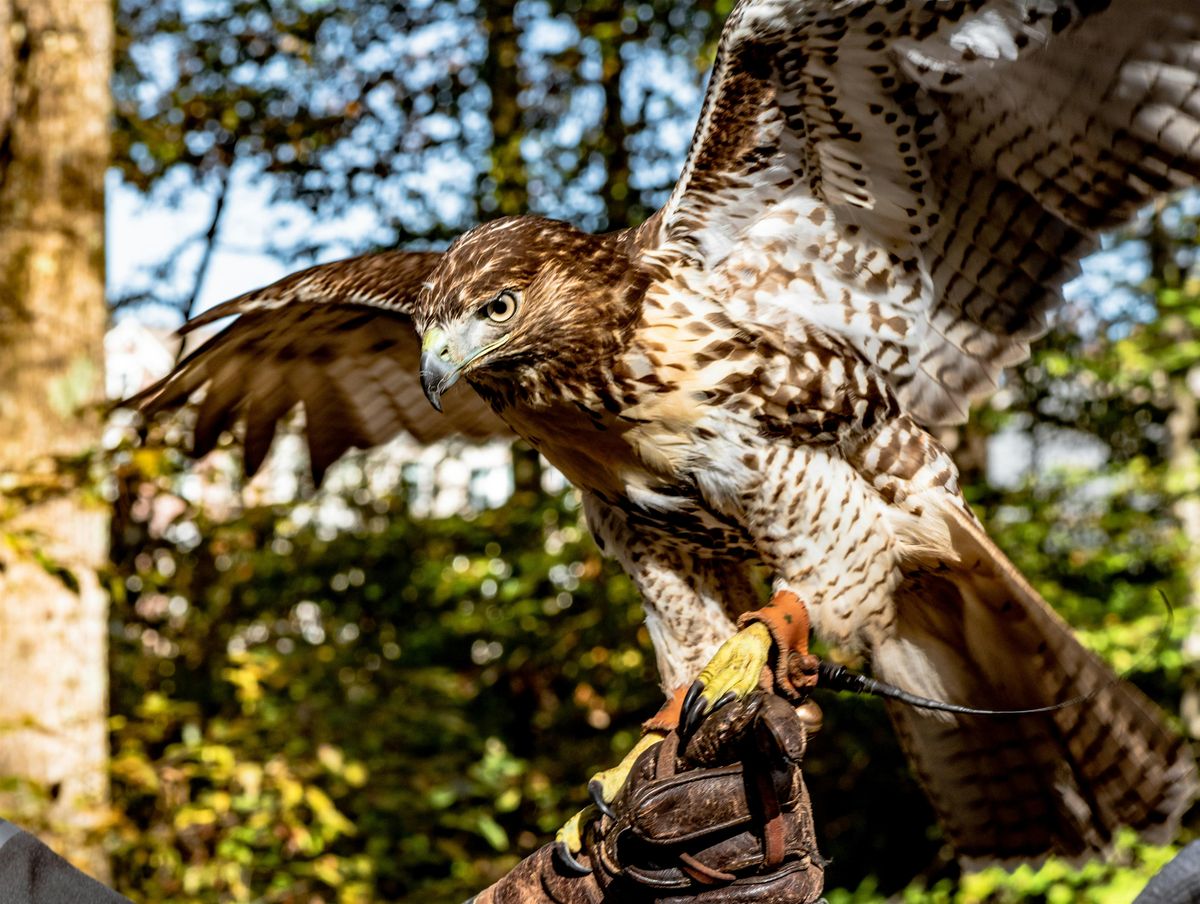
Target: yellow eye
501	308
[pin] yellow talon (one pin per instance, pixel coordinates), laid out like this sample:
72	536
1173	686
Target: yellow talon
571	834
604	787
607	784
737	666
731	674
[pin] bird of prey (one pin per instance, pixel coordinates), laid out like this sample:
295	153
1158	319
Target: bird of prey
880	205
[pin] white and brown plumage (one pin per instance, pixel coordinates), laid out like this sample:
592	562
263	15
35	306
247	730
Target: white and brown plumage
880	206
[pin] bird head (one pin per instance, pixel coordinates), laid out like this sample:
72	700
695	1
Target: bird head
513	301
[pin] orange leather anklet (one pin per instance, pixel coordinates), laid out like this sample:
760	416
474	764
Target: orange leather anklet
667	718
793	670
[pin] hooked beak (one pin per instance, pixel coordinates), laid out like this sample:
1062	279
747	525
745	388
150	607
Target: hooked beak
438	370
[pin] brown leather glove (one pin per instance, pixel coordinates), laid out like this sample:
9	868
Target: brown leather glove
725	820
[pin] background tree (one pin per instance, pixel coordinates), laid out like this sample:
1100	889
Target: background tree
55	60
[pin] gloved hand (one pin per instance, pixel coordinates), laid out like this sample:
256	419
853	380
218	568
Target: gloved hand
721	819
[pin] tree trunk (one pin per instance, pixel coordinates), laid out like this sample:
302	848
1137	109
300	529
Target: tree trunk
501	72
55	61
507	174
618	203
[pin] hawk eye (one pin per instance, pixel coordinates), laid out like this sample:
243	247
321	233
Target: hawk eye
501	308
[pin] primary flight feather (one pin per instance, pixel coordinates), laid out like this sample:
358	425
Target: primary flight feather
880	206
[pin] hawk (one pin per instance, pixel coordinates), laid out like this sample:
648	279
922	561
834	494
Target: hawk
881	203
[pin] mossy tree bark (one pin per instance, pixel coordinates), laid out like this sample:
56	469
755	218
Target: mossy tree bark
55	62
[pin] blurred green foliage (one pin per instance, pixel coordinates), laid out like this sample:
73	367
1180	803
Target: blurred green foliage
398	709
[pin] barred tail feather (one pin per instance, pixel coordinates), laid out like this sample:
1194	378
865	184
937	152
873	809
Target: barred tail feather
1012	788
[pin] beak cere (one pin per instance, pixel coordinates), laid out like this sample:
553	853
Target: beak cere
438	372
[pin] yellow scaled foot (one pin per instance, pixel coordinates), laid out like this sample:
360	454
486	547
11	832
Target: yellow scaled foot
732	673
607	784
604	788
569	839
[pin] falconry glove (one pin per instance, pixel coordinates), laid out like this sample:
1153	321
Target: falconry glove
721	818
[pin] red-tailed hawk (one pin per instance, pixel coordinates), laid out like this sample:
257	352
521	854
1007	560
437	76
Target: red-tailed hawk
880	205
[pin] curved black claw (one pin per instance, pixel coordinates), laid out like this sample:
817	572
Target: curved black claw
596	790
693	711
696	709
568	859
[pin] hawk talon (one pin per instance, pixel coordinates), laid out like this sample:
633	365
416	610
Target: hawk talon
563	852
699	710
569	840
603	788
596	790
731	674
607	784
692	712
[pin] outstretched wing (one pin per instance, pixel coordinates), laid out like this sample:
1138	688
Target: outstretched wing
337	338
959	155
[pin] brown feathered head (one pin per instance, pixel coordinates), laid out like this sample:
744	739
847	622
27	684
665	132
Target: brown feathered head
519	301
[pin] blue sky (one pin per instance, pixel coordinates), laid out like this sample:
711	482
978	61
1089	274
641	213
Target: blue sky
659	80
143	231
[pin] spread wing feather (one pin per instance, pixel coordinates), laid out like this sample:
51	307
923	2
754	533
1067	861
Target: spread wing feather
981	144
336	338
